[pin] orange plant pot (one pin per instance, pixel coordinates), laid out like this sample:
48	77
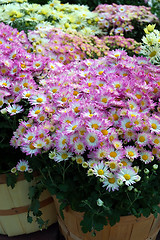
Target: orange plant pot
14	205
129	227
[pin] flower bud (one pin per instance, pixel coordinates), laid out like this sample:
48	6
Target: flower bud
119	182
4	111
90	172
100	202
130	188
146	171
155	166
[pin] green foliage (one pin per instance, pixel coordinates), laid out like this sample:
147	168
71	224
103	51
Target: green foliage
81	193
34	195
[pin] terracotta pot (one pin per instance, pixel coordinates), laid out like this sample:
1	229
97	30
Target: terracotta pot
129	227
14	205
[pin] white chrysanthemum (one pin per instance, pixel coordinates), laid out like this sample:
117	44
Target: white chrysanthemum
131	152
79	147
146	156
38	99
63	156
126	162
91	139
154	125
113	166
79	159
14	109
22	166
142	139
111	183
156	141
100	170
128	176
113	154
126	124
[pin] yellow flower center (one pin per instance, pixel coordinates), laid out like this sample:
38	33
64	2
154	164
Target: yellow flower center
156	141
128	125
113	154
104	132
154	126
30	137
111	180
124	163
74	127
63	141
115	116
141	138
42	118
112	165
39	100
145	157
80	146
37	111
152	54
127	176
102	154
131	154
100	172
17	89
104	100
14	110
76	110
139	96
64	99
64	155
95	126
31	146
22	168
28	94
92	139
79	160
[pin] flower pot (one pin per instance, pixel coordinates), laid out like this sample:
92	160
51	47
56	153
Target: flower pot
14	205
129	227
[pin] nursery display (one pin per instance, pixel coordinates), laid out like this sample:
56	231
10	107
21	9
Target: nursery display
80	118
26	16
127	20
18	70
150	47
101	120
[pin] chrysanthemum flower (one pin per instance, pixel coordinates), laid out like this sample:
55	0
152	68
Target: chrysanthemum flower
146	156
113	154
100	169
128	176
131	152
63	156
22	166
14	109
110	183
142	139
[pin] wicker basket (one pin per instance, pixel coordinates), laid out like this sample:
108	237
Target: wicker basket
129	227
14	205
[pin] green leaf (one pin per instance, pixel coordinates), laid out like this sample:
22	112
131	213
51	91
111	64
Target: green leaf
29	219
86	223
31	192
35	205
99	222
11	180
62	207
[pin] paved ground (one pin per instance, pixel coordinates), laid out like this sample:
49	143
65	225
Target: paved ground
52	233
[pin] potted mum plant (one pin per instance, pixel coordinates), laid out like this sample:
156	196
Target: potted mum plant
18	70
99	145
